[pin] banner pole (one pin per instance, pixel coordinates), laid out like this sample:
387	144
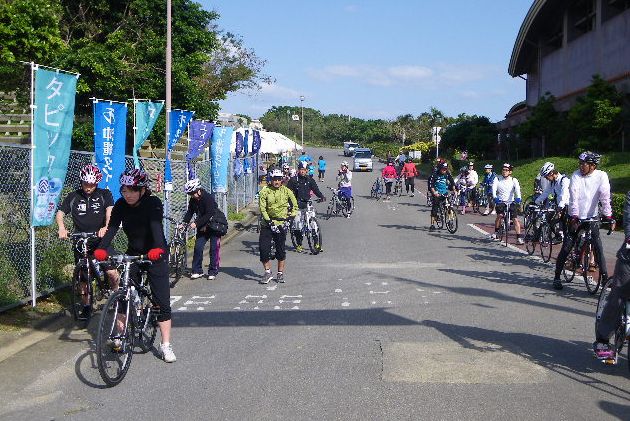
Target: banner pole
32	183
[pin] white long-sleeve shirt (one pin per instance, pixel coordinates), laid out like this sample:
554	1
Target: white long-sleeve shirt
473	177
345	179
560	190
506	189
586	192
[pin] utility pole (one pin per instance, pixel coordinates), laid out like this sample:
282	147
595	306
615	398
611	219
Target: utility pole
302	107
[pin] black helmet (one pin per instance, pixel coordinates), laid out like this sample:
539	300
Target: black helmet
590	157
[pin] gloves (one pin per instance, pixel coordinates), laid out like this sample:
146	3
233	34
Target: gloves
517	200
274	228
155	254
100	254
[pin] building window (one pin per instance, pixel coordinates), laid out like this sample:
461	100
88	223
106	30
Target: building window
582	17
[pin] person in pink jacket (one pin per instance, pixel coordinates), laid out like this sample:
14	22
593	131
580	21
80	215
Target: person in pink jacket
389	176
409	173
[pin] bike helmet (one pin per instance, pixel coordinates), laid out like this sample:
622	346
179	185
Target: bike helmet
590	157
508	166
487	167
134	178
286	166
192	185
303	165
443	165
546	169
277	173
90	174
344	164
471	164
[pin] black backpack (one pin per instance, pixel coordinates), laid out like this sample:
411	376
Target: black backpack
218	224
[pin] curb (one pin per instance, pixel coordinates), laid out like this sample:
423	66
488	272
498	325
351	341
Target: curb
31	336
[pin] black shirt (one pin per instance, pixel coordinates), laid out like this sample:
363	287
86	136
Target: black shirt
142	224
301	188
88	212
204	208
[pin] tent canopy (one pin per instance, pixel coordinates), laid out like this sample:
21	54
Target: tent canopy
270	142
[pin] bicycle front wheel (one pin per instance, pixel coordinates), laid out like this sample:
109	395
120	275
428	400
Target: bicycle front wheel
451	220
545	243
530	239
114	341
590	272
314	237
147	325
177	261
81	288
439	221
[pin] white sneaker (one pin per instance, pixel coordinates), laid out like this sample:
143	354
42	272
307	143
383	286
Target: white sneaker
267	276
167	353
493	212
196	275
494	237
520	241
211	277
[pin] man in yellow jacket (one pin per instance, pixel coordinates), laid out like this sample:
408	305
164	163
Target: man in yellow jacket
278	207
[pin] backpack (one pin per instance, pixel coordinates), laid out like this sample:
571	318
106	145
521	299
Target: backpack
218	224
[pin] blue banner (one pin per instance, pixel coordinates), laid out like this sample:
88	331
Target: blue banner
200	135
220	155
54	116
256	142
239	144
110	135
177	122
147	113
245	143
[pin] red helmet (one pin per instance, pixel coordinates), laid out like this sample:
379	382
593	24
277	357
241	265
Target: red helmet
134	178
90	174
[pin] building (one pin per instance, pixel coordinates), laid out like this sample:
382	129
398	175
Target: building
562	44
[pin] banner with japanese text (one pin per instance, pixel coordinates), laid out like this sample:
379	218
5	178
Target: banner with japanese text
256	142
177	123
220	156
200	135
146	113
110	134
52	132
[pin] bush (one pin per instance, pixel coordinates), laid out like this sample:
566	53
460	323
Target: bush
50	270
618	202
10	292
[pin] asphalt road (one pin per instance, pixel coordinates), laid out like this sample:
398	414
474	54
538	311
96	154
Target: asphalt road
389	322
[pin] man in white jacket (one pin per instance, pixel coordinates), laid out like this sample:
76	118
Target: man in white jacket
558	188
506	191
588	187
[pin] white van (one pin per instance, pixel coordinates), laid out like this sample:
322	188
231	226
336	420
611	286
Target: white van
362	159
349	147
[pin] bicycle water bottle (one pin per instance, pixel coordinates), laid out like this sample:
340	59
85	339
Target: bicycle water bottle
135	298
97	268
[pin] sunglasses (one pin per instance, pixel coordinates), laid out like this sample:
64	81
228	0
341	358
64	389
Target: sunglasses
276	179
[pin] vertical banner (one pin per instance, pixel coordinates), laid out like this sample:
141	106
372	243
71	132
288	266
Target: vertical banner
220	156
256	142
200	134
110	135
177	122
146	114
246	143
52	132
239	144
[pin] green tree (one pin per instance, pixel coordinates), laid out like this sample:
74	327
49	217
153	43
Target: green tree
476	134
547	125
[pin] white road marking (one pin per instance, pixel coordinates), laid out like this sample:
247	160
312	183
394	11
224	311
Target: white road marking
290	301
237	308
243	302
261	301
338	290
379	292
295	308
256	308
182	309
373	302
437	292
276	307
290	296
255	296
345	304
194	299
510	246
175	298
368	283
419	289
272	288
384	283
200	308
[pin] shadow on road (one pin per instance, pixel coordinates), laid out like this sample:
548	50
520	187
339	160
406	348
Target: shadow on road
241	273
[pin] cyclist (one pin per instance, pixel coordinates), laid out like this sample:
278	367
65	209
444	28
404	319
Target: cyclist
558	187
140	214
389	175
488	181
321	168
620	292
302	186
344	177
90	208
588	187
203	205
472	174
286	173
506	191
400	161
440	182
463	183
410	172
541	182
305	157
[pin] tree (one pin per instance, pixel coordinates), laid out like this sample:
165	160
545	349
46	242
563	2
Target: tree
547	125
476	134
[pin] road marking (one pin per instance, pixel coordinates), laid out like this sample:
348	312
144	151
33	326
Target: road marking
200	308
194	299
419	289
255	296
276	307
243	302
373	303
345	304
237	308
295	308
261	301
338	290
384	283
290	301
175	298
272	288
182	309
437	292
289	296
510	246
368	283
379	292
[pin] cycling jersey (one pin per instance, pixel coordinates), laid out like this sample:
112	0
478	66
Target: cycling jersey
506	189
559	189
488	180
302	187
441	183
473	177
274	204
88	212
586	192
321	165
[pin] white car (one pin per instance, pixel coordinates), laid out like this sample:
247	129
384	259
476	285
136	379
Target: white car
362	160
349	147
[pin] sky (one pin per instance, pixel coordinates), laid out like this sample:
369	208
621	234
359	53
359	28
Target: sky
379	59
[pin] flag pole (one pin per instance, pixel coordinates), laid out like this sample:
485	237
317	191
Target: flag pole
32	180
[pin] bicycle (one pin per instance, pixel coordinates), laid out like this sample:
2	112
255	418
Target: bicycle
398	186
582	254
429	199
177	252
540	232
129	315
377	189
478	198
337	206
87	279
447	216
504	228
309	228
622	332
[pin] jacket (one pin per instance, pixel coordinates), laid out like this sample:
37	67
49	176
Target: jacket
409	170
586	192
302	187
274	204
204	208
389	172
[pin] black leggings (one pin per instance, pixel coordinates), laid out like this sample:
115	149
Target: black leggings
264	244
160	287
388	187
620	292
410	182
569	242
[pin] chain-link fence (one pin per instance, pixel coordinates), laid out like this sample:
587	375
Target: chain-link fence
53	257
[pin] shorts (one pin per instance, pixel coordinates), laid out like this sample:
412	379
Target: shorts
501	207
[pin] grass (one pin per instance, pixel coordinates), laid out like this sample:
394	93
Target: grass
26	316
235	216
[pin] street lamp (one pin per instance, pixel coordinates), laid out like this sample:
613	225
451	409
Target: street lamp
302	107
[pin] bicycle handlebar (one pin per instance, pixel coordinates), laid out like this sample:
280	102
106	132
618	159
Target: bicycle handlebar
125	258
83	235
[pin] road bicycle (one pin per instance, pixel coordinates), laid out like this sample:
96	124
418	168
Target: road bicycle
583	256
378	189
478	198
88	280
129	318
504	227
310	229
398	186
447	215
339	206
429	199
622	332
539	232
177	252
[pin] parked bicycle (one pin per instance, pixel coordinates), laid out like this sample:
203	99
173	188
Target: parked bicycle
583	256
129	318
447	215
88	280
310	229
339	206
378	189
539	232
177	252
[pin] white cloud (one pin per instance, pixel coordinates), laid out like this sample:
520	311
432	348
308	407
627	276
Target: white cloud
275	91
410	72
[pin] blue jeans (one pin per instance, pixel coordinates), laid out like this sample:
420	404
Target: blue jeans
213	252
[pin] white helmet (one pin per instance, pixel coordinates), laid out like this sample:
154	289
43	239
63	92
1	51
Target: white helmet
192	185
344	164
277	173
546	169
487	167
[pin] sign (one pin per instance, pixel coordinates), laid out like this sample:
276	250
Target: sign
177	122
220	156
200	134
110	134
295	117
435	135
146	113
53	120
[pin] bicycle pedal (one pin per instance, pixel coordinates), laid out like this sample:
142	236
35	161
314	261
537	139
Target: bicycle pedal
610	361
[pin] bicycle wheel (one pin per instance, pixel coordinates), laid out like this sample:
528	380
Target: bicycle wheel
530	239
114	341
177	261
590	273
451	220
506	230
373	191
314	237
570	266
332	205
527	214
399	187
81	287
545	242
147	325
439	221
